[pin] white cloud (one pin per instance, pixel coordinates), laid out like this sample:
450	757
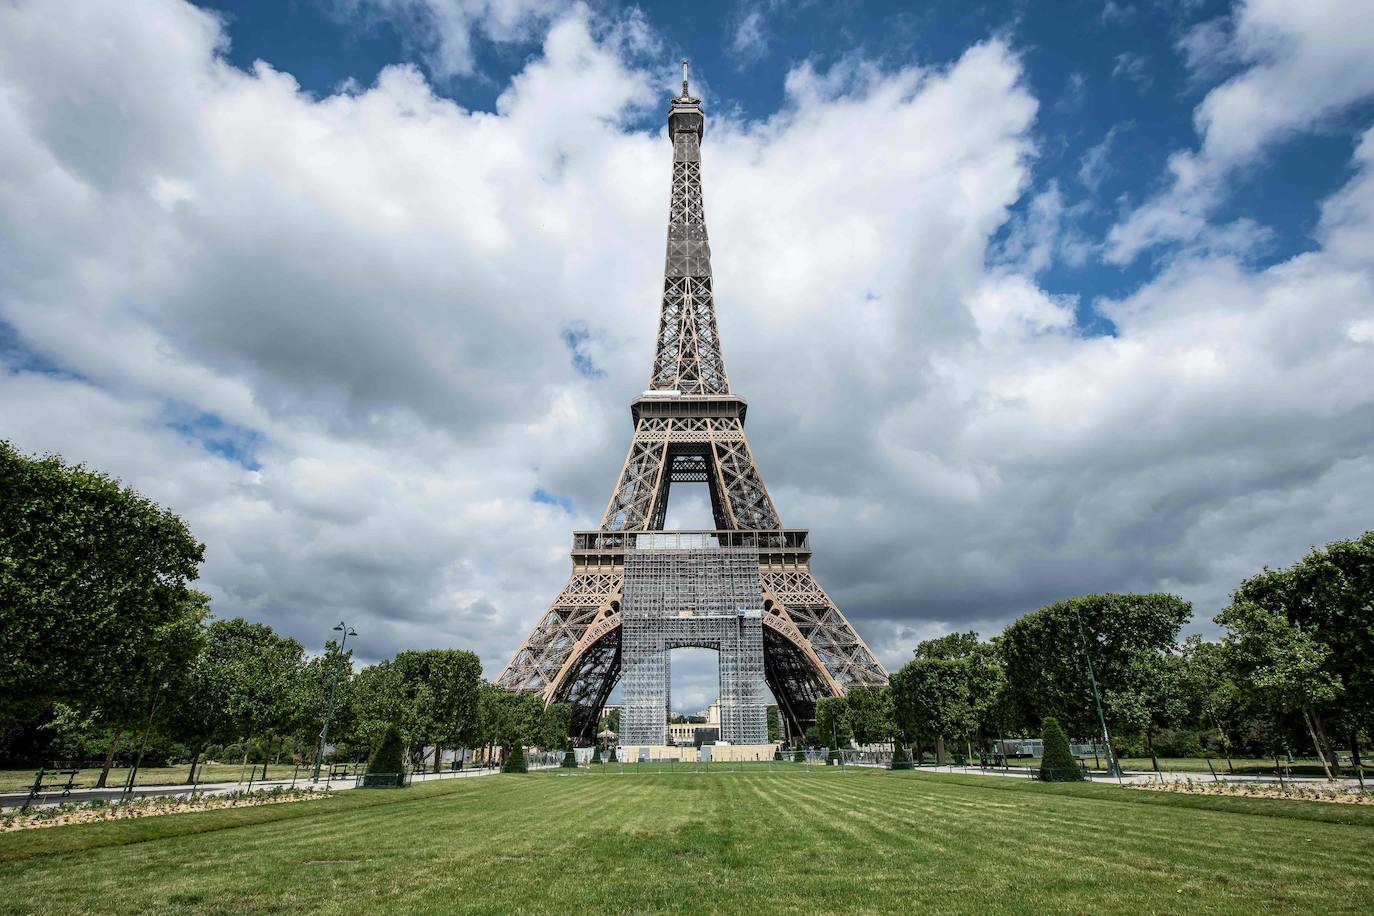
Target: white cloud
368	293
1304	63
443	30
1134	67
1095	165
750	39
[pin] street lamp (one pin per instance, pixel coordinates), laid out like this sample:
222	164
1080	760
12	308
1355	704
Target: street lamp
1113	768
347	631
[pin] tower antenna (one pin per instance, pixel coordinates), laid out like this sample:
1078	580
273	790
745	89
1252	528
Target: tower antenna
684	78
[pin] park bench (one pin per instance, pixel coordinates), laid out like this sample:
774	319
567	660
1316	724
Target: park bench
40	787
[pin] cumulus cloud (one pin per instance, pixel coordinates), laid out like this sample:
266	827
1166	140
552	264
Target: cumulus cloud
1303	64
377	348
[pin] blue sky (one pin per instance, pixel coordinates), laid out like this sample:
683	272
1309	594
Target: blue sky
1029	300
1101	70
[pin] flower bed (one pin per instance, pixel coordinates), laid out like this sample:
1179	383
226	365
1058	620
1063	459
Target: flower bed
100	810
1257	790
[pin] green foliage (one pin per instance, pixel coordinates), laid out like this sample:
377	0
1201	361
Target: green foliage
612	758
871	715
774	722
954	689
569	760
900	760
378	702
438	694
555	725
1126	634
1326	597
799	755
596	754
515	761
777	753
950	647
1058	764
95	603
246	682
330	672
832	721
390	754
1276	661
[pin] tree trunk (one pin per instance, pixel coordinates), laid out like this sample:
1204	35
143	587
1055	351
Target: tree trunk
1316	742
195	759
438	754
1328	744
109	758
939	752
1354	748
244	765
143	743
1225	747
1150	743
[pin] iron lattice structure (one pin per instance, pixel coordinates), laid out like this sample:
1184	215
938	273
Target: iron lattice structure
688	427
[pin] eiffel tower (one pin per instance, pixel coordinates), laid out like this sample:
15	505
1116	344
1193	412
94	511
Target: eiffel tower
688	427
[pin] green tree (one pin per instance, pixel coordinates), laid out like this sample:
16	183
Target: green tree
439	691
378	702
871	715
389	757
832	722
94	578
328	674
515	761
1215	699
1326	595
938	689
1043	654
1057	763
1150	697
555	725
1279	664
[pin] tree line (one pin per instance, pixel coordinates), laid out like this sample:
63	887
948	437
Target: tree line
1292	672
108	646
109	650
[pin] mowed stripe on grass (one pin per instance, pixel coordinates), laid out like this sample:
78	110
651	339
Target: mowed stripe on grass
803	839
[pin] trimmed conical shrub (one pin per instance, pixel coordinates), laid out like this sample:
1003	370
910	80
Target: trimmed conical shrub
515	761
777	752
1058	763
596	754
799	755
900	760
570	760
390	754
611	759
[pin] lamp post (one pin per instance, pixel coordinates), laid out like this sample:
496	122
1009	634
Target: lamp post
347	631
1114	769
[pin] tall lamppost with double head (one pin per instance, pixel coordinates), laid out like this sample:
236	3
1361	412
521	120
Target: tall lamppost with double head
347	631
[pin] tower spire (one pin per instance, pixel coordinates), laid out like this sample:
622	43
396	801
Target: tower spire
687	358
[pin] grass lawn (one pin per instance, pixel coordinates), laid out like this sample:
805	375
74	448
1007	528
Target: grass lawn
19	780
795	840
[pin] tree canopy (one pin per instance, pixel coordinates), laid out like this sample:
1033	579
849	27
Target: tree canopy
94	585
